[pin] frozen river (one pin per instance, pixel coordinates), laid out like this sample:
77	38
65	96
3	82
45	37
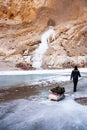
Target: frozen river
12	78
39	113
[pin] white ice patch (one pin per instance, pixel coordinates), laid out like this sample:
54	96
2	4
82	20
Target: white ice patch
40	51
44	115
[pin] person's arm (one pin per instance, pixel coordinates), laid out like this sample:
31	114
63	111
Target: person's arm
79	74
71	76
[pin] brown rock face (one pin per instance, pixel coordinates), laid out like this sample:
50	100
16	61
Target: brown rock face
28	10
22	23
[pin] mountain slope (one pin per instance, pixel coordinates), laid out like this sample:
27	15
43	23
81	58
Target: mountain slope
23	22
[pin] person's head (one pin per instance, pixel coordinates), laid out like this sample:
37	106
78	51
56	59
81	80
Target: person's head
76	68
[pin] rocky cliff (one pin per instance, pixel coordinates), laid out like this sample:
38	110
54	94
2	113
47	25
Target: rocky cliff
22	23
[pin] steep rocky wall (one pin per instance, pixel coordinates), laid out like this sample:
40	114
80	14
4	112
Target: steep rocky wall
29	10
70	46
23	21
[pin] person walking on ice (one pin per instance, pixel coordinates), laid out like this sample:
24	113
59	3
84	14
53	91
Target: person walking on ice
74	75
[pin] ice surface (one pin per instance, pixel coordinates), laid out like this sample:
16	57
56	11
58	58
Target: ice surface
55	71
39	113
13	78
42	114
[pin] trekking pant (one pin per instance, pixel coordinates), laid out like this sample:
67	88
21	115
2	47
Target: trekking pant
75	81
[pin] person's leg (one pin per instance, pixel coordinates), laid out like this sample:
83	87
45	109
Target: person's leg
75	81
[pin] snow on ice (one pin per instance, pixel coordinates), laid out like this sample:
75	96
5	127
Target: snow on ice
39	113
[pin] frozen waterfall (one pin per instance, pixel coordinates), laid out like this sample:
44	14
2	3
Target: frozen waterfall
40	51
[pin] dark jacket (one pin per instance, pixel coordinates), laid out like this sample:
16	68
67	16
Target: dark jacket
75	74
